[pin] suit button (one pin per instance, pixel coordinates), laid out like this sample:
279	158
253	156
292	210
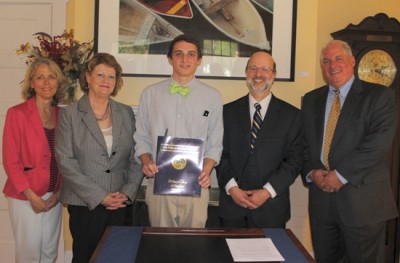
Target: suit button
108	171
113	153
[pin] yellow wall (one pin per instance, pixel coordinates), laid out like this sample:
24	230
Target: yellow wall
335	15
316	19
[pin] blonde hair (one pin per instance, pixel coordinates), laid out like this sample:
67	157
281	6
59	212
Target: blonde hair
28	92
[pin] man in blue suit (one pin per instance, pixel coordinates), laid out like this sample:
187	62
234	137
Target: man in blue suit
350	196
254	174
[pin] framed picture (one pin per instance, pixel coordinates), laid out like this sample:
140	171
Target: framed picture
138	34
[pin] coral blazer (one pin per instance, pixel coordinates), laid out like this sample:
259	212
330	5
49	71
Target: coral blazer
26	152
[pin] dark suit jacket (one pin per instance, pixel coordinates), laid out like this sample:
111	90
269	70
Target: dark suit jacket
359	148
89	173
276	158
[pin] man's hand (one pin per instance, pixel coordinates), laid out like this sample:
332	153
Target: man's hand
258	197
332	182
327	181
149	168
318	177
204	179
241	198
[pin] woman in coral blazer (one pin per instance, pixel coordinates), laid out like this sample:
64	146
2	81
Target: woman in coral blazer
33	180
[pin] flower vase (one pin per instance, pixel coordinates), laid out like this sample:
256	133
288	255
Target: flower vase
71	90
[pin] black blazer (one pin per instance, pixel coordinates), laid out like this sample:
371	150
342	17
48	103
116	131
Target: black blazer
276	158
359	149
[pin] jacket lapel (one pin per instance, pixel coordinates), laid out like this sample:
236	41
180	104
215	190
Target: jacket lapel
244	119
32	115
269	119
116	123
349	107
90	121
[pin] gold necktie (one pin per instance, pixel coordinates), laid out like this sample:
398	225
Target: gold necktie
330	127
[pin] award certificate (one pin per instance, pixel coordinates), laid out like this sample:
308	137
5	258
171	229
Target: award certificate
179	161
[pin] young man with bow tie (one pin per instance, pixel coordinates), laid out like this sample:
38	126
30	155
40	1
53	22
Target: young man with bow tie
186	108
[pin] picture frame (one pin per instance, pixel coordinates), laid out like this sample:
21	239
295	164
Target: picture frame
138	35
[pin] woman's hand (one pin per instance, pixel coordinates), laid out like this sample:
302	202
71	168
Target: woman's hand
37	203
114	200
52	201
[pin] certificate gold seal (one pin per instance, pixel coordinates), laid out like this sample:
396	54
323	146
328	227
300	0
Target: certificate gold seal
179	162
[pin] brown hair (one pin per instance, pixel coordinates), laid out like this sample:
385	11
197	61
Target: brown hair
105	59
185	38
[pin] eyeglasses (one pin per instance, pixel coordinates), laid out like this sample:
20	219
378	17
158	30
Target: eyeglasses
264	70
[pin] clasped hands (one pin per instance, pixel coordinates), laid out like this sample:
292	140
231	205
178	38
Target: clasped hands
114	200
250	199
38	204
327	181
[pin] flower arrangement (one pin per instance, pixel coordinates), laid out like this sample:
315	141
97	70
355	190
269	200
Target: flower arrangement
69	54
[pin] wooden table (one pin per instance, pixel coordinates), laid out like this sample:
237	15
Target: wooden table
152	245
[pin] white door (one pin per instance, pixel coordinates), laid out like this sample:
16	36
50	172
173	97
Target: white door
19	20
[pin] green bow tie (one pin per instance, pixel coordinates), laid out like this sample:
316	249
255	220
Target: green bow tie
175	88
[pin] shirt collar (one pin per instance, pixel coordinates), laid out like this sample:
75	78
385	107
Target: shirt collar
344	90
189	84
264	102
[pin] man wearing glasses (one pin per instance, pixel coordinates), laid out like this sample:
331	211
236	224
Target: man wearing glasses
262	150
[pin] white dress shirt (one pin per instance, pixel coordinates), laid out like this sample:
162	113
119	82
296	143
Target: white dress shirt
264	107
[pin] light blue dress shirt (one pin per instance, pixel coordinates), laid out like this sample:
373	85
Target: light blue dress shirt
344	90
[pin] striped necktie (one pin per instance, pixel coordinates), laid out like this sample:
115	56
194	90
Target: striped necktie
255	127
330	127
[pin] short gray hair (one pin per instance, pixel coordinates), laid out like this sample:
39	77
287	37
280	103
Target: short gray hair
344	45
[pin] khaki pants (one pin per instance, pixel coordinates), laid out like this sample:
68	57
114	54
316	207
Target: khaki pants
177	211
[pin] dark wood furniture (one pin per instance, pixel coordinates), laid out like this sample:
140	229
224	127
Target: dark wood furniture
187	245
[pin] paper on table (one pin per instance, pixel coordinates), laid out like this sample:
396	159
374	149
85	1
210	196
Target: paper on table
253	249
